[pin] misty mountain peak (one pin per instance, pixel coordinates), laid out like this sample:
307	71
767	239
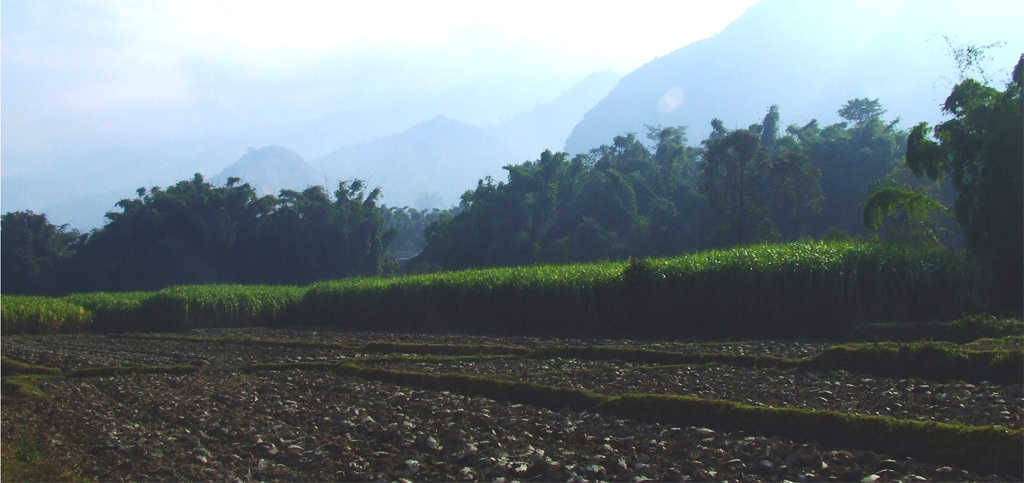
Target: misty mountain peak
270	169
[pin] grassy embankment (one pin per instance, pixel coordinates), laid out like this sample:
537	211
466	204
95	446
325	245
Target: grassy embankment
767	291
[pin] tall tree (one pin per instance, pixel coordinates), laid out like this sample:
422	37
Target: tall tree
852	155
735	167
982	150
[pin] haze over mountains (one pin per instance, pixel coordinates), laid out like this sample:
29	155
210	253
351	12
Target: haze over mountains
807	56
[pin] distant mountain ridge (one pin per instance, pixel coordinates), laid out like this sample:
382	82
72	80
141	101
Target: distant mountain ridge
807	56
271	169
81	196
439	159
442	158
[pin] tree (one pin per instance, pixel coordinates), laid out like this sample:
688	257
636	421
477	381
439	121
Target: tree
770	127
969	58
795	187
982	150
861	110
32	250
193	232
734	168
851	156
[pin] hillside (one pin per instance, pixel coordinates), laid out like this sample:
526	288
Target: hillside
441	157
433	163
893	51
270	169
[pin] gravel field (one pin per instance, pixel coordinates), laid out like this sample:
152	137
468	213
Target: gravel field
954	402
224	424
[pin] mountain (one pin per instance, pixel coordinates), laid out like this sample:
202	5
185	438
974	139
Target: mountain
809	57
431	164
82	189
271	169
80	193
547	125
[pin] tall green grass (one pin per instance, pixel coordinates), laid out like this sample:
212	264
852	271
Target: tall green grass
201	306
521	300
21	314
172	309
793	290
802	289
112	311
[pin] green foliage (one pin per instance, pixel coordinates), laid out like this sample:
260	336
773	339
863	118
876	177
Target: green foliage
924	360
409	225
27	314
112	311
12	367
967	329
193	232
793	290
980	151
630	199
618	200
851	156
507	300
32	250
885	201
27	456
734	168
804	289
200	306
861	110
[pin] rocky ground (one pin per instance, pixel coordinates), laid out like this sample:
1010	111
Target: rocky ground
227	424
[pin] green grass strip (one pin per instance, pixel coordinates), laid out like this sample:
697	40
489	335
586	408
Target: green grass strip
931	361
964	330
24	386
982	449
12	367
131	371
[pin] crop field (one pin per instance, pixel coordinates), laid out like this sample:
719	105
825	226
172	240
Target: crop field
266	404
798	290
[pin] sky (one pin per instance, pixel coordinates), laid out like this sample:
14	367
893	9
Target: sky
77	77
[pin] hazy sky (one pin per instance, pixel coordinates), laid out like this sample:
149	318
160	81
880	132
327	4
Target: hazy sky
79	76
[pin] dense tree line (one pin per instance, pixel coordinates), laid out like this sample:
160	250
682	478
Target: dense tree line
193	232
633	198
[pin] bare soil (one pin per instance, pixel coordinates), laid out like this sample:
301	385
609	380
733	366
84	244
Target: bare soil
225	423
